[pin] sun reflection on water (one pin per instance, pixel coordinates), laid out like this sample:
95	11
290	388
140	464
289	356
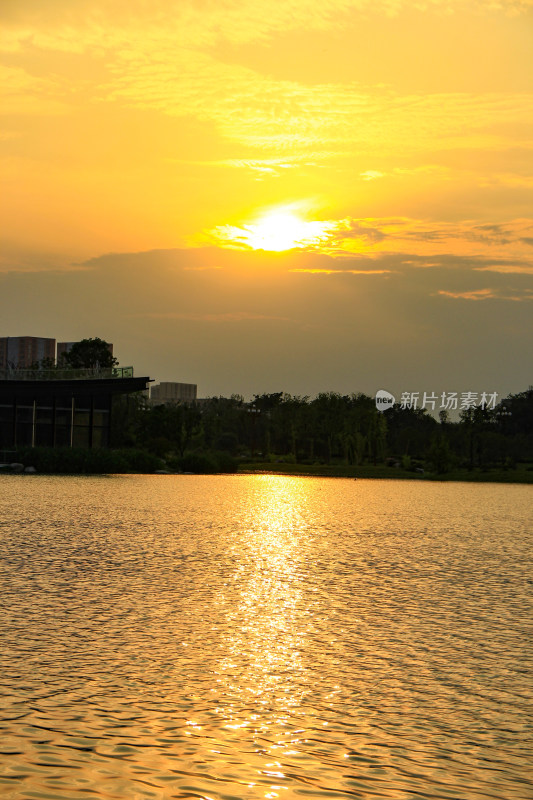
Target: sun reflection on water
264	665
270	592
250	637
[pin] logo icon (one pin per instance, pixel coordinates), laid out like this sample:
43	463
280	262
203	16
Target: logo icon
384	400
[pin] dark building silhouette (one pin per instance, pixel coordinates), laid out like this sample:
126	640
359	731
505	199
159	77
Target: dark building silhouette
71	410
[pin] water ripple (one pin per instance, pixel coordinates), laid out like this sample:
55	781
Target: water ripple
251	637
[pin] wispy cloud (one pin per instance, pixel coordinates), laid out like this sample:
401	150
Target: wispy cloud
288	116
159	58
433	237
372	175
487	294
434	170
475	294
265	167
507	269
346	271
201	24
162	57
24	93
349	236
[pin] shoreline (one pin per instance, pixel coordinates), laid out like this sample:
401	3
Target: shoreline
522	474
519	475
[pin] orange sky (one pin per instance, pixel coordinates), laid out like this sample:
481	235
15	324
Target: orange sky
383	147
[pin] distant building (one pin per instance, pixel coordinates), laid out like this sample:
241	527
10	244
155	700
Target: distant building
22	352
164	393
66	347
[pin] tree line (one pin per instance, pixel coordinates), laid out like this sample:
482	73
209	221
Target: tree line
328	429
216	433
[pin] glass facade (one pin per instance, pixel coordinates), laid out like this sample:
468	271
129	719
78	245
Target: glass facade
60	413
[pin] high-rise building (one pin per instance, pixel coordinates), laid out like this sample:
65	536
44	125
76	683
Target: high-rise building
22	352
173	393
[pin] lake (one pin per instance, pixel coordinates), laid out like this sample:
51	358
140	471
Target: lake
264	636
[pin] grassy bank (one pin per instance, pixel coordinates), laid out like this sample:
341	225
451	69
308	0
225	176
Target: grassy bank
101	461
75	461
81	461
522	474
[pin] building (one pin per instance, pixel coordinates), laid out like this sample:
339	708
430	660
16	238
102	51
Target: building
164	393
62	348
61	412
66	347
23	352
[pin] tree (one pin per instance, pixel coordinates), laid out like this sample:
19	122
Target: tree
440	455
90	354
44	363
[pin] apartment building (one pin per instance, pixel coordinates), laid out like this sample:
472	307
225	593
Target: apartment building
22	352
168	392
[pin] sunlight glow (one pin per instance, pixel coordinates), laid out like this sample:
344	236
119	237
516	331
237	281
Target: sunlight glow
276	230
282	231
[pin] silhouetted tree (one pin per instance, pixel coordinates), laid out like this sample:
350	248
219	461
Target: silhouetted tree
89	354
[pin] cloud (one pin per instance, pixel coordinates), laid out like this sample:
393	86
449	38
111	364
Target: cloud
346	271
204	23
436	237
23	93
423	169
421	264
161	57
361	229
476	294
507	269
18	260
245	327
372	175
487	294
266	167
348	237
257	111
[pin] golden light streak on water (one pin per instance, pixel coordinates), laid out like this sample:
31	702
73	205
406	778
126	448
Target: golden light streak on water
261	637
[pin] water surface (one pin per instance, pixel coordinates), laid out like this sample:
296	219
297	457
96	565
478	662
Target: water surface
264	636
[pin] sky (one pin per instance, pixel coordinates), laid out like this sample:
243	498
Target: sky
257	196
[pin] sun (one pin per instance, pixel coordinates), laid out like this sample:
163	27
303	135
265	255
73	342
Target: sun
279	230
276	230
